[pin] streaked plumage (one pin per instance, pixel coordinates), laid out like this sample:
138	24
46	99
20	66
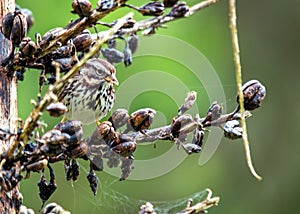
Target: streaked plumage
90	94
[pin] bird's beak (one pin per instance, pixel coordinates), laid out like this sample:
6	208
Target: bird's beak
112	79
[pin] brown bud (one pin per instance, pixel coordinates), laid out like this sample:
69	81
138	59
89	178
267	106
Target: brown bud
214	112
232	130
152	9
56	109
119	118
170	3
254	93
133	42
83	41
179	10
82	7
141	119
112	55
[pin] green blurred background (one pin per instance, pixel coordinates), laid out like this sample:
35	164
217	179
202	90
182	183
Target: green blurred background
269	40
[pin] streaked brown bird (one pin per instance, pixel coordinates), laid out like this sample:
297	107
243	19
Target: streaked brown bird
90	94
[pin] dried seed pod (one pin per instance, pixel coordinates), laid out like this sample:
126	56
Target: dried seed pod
214	112
198	136
112	55
188	102
54	138
46	189
51	79
97	163
112	43
141	119
7	24
54	208
14	27
29	17
152	9
72	171
82	7
27	47
127	55
51	34
83	41
73	128
103	5
19	29
232	130
125	149
77	151
113	162
104	131
20	74
17	199
130	23
149	31
254	93
65	51
65	64
119	118
70	127
133	43
126	167
170	3
56	109
93	180
147	209
178	123
191	148
37	166
179	10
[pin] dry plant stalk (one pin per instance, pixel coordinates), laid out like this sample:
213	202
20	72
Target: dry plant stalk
238	74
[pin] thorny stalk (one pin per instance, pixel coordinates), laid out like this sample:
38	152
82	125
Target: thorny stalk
50	96
238	73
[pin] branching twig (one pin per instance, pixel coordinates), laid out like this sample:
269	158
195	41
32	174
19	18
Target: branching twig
238	73
160	20
201	207
50	96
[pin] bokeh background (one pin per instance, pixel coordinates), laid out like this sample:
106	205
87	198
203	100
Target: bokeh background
269	40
